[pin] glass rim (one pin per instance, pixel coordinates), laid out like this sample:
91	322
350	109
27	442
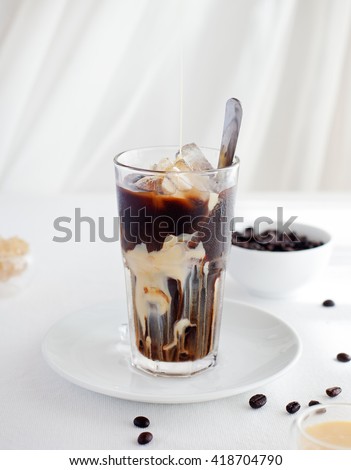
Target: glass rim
236	162
313	439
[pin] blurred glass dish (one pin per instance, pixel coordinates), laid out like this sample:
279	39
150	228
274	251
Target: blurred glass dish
15	262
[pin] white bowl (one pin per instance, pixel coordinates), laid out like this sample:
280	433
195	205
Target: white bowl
279	274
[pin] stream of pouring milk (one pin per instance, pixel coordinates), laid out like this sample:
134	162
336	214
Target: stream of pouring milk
181	98
181	75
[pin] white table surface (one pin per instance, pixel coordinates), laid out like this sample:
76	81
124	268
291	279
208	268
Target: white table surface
40	410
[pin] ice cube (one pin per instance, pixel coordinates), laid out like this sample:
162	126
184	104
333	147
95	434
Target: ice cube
158	184
148	183
181	182
173	180
164	165
166	187
181	165
194	158
130	180
187	179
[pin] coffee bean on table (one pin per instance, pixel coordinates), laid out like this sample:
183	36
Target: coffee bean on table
257	401
333	391
145	438
343	357
314	402
141	422
328	303
293	407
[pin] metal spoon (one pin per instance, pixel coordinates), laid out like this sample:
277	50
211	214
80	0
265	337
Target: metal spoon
232	121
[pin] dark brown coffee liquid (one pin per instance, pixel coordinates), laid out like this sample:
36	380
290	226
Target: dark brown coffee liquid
176	290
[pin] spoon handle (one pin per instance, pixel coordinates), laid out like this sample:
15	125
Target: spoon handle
232	122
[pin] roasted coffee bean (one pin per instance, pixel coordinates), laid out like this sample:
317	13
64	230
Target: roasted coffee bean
293	407
343	357
333	391
141	422
249	232
257	401
314	402
328	303
145	438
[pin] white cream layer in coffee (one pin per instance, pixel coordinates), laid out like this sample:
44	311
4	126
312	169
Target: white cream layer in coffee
152	270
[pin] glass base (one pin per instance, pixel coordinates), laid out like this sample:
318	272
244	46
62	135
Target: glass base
173	369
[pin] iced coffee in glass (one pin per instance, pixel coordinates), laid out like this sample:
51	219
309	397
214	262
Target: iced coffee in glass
176	211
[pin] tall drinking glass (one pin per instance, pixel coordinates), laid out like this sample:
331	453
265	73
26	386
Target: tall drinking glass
175	233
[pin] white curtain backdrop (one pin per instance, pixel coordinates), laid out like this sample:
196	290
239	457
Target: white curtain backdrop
81	80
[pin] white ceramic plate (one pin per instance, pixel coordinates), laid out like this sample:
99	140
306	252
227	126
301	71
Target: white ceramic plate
255	348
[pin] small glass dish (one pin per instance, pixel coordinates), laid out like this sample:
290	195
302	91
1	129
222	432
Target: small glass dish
15	263
323	427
